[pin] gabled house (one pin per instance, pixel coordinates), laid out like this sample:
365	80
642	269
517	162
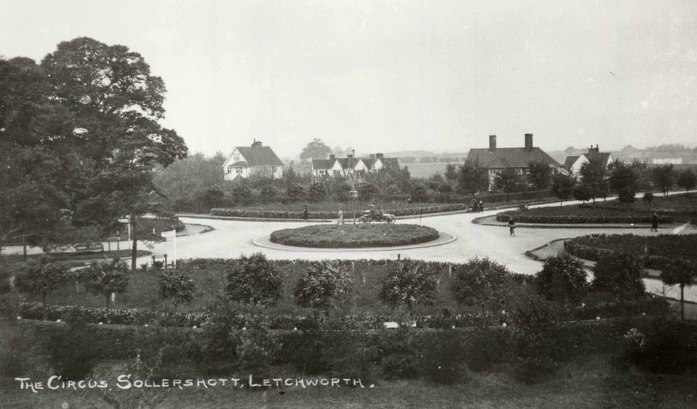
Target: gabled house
495	159
351	165
573	164
245	161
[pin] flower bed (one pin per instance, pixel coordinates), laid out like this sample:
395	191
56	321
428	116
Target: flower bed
298	213
655	251
349	236
582	214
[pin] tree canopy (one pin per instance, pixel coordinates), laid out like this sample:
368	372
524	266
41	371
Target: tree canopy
315	150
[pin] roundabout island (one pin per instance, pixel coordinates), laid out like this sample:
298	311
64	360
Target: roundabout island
359	236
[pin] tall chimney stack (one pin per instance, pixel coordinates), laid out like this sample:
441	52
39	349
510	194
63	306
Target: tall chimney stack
528	141
492	142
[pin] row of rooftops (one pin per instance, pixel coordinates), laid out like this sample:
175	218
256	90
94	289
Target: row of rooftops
492	157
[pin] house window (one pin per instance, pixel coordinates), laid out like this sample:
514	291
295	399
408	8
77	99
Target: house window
238	171
229	169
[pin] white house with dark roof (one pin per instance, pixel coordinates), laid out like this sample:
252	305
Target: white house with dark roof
573	164
351	165
245	161
496	159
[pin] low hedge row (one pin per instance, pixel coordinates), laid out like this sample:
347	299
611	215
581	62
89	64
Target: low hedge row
445	320
529	217
313	214
379	235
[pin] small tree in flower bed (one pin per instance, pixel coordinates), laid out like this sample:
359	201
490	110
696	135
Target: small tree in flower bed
682	273
620	276
176	287
105	279
254	280
321	284
409	283
40	278
562	279
482	283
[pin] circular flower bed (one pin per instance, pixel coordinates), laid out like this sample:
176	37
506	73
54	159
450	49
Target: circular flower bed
355	236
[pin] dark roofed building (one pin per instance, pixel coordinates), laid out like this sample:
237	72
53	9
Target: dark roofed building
351	165
496	159
245	161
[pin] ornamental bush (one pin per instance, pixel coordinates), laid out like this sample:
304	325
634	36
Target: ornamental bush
482	283
105	279
620	275
178	287
409	283
322	283
254	280
562	279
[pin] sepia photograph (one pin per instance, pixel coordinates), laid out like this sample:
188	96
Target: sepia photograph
348	204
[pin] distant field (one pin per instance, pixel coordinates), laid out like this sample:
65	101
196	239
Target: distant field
424	170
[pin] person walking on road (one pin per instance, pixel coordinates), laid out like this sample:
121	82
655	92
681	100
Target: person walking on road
654	222
511	226
306	214
341	217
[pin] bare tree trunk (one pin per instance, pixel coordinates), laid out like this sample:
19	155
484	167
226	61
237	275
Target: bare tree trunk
134	249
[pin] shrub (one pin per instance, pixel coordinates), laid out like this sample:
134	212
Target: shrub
105	279
178	287
409	283
254	280
661	346
399	353
256	347
321	284
367	192
72	350
620	275
583	192
648	197
348	351
562	279
40	277
317	192
626	195
441	361
373	235
482	283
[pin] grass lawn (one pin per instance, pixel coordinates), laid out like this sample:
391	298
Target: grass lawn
210	281
588	382
363	235
662	246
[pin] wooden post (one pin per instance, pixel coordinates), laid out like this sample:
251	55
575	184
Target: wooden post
134	249
166	265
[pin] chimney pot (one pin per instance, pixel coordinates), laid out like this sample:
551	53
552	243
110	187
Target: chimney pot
528	141
332	157
492	142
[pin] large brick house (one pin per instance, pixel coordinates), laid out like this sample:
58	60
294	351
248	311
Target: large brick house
351	165
573	164
245	161
496	159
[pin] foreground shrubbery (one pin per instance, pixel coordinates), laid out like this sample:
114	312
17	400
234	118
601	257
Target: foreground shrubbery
347	236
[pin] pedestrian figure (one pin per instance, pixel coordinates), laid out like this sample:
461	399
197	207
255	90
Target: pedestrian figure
654	222
511	226
341	217
305	213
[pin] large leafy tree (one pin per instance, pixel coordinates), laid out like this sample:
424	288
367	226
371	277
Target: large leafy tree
623	180
593	174
540	175
687	180
33	176
563	186
508	181
315	150
472	179
663	177
116	105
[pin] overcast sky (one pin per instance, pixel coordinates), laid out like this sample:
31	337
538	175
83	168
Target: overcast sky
383	76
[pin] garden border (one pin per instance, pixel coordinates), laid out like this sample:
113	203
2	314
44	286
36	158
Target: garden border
265	242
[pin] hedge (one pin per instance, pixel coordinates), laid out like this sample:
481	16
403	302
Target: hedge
527	217
277	214
655	251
